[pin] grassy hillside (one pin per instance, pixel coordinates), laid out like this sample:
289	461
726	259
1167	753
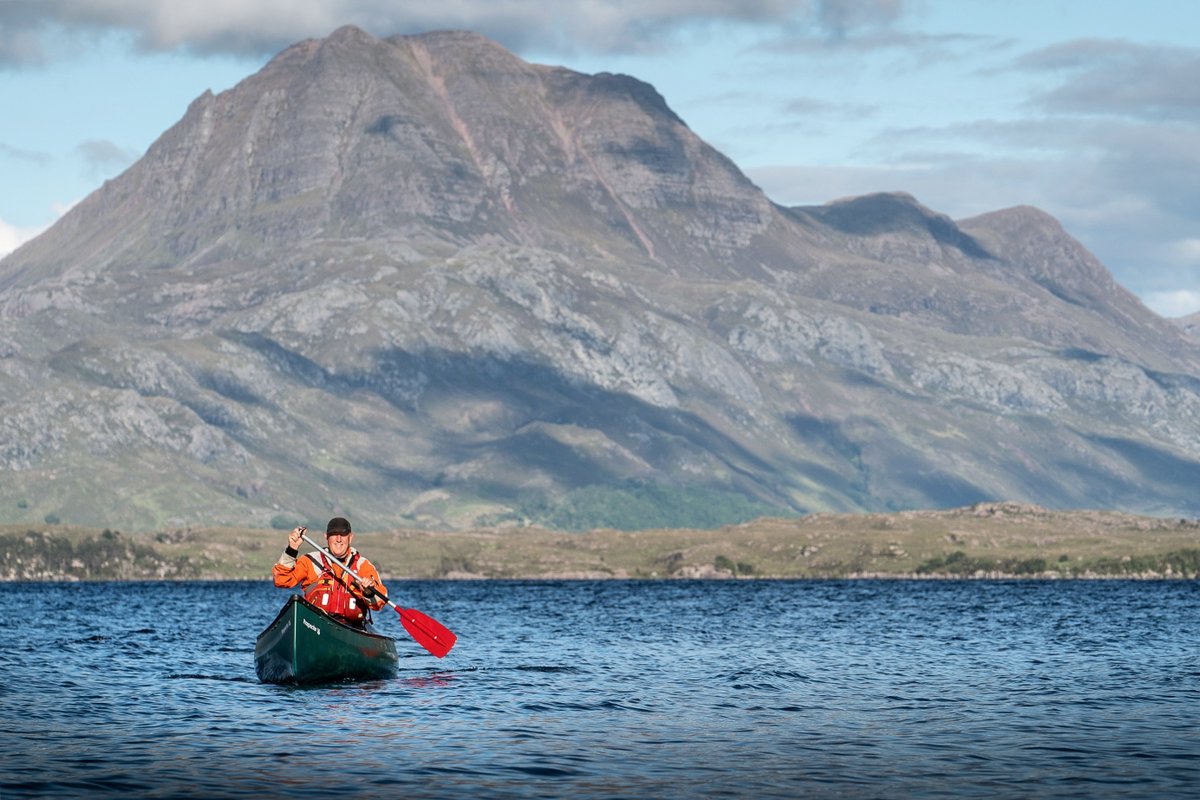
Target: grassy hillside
986	540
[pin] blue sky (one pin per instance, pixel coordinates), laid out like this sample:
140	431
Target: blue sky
1088	109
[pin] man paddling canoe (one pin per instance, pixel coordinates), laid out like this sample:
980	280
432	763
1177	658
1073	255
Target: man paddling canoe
325	584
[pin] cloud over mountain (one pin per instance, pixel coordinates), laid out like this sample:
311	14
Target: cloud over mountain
264	26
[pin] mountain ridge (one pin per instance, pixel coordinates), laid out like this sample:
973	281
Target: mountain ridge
422	281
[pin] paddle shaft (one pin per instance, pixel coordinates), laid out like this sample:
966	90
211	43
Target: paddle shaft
344	566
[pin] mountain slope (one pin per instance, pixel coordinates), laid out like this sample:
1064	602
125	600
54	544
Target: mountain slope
421	281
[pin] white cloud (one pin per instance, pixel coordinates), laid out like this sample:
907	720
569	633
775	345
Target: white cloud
1118	77
31	32
1185	252
12	237
1176	303
104	158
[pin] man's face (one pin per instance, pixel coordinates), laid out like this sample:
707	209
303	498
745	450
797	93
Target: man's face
339	543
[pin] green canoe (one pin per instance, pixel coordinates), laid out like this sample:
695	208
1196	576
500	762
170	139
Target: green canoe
306	645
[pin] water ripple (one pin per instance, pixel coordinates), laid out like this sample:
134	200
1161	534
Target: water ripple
621	689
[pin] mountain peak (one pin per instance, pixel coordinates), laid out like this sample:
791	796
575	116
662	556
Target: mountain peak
878	212
883	214
644	94
1029	236
441	137
350	34
1022	217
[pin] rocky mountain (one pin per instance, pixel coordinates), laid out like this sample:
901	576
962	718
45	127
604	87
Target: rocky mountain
420	281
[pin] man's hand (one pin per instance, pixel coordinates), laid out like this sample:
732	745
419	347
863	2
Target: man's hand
296	536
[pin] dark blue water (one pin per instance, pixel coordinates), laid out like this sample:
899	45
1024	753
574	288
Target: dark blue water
617	689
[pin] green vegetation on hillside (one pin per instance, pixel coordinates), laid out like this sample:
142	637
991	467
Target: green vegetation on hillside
1183	563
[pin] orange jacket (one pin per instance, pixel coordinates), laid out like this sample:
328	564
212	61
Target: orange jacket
290	571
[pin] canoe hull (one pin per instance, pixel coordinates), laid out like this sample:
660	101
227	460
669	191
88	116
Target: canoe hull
304	645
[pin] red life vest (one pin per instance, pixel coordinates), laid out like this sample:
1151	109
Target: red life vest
331	596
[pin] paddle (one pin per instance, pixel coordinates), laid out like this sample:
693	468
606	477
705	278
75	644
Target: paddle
426	631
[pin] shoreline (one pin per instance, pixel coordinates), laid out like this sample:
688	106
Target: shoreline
995	541
946	578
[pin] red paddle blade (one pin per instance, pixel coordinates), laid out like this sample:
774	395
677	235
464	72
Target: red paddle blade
427	631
